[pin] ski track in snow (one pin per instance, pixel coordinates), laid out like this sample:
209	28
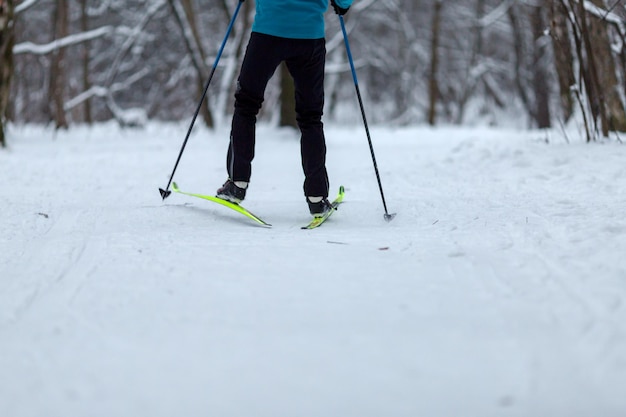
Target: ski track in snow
498	290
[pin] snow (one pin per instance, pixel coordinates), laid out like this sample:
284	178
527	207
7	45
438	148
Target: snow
498	290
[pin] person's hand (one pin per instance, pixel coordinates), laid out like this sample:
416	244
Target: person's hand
338	9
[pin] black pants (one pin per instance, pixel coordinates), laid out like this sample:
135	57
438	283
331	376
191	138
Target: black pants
305	59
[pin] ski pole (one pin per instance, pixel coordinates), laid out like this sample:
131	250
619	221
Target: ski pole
387	216
166	192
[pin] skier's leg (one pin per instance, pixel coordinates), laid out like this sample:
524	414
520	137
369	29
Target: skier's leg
307	69
261	59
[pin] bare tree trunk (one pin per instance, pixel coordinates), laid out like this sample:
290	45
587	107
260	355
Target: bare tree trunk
185	16
591	76
608	84
7	39
84	27
563	57
472	81
57	67
433	86
231	70
586	95
520	52
540	73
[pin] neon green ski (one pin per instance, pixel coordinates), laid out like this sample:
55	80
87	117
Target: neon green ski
318	221
225	203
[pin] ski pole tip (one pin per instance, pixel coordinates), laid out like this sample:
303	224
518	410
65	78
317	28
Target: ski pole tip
389	217
164	193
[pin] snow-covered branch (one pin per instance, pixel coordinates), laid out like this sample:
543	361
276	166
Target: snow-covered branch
25	5
133	34
31	48
496	14
607	15
190	37
100	91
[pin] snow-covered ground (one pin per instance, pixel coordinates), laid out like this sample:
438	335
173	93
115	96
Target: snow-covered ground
498	290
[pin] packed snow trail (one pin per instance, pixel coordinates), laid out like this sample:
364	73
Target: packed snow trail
497	290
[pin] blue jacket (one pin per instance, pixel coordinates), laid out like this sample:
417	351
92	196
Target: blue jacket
296	19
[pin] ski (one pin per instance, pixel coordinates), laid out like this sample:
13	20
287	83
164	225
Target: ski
318	221
232	206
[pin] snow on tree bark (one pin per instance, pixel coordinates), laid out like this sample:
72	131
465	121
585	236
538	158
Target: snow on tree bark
6	59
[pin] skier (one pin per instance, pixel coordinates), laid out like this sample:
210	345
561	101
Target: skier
291	31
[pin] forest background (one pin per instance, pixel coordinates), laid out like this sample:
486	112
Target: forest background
538	62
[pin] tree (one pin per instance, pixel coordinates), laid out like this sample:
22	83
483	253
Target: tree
433	87
84	27
418	61
58	67
563	58
541	89
6	59
185	17
597	88
601	44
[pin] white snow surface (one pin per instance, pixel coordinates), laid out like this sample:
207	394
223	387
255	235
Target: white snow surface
498	290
